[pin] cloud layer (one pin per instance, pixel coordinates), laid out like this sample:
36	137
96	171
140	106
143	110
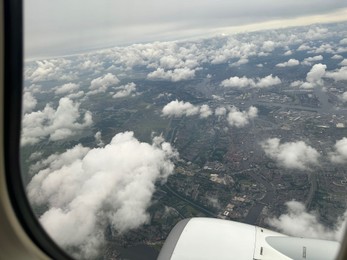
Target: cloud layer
93	24
93	188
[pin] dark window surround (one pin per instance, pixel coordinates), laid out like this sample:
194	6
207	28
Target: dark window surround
13	81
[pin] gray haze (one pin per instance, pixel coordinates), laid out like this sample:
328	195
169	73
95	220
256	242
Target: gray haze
68	26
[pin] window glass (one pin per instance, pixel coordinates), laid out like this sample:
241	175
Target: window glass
138	114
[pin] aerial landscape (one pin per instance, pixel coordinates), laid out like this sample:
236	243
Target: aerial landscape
126	141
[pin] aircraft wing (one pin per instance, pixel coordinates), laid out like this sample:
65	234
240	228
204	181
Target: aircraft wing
208	238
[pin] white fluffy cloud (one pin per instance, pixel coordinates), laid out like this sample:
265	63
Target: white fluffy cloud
343	41
172	75
66	88
300	223
325	48
29	102
205	111
343	63
239	118
237	82
316	74
54	69
76	95
291	155
93	188
314	77
101	84
57	124
344	96
268	81
308	61
340	153
98	139
304	47
289	63
296	83
220	111
180	108
125	90
268	46
338	75
337	57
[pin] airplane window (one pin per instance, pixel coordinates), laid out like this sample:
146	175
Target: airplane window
139	114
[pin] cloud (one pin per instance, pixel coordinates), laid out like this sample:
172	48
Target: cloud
338	75
289	63
313	77
340	153
175	75
300	223
296	83
205	111
90	65
316	33
57	124
220	111
29	102
343	41
66	88
291	155
76	95
237	82
53	69
344	96
343	63
216	97
125	90
175	61
95	188
316	73
268	46
101	84
98	139
337	57
304	47
180	108
268	81
239	118
241	61
325	48
308	61
233	48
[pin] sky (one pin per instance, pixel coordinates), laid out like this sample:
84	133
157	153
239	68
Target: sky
55	28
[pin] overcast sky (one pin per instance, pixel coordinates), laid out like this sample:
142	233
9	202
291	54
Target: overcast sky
69	26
